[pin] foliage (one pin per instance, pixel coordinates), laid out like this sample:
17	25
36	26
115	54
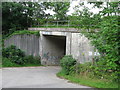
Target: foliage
84	18
109	8
91	75
32	60
106	41
20	15
67	62
6	62
60	9
96	71
105	38
14	54
15	57
23	32
92	82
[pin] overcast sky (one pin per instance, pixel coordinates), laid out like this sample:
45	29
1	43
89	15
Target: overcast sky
73	4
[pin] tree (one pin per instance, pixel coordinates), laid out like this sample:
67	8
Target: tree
20	15
109	8
60	9
83	18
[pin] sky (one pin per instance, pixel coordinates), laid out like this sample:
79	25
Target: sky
73	4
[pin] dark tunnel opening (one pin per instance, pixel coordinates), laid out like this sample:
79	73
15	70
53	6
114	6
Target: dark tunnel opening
54	48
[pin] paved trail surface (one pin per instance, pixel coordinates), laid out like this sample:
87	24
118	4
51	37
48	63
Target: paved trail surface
35	77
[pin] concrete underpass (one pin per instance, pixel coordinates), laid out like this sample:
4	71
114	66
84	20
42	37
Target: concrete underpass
54	48
53	43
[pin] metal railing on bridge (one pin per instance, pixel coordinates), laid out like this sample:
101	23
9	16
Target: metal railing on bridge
60	23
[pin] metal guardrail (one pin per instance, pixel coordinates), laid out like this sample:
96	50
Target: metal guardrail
60	23
54	23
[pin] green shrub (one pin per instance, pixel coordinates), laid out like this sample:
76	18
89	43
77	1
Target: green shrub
80	68
14	54
32	60
94	71
17	56
67	62
7	63
106	41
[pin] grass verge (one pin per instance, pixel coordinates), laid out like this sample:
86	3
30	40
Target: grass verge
7	63
26	65
96	83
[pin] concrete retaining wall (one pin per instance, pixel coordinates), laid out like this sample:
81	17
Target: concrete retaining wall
28	43
81	48
51	46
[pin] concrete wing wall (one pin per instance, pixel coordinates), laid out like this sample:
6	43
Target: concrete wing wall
27	43
81	49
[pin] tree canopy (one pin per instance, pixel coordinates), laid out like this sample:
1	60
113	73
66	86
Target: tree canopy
21	15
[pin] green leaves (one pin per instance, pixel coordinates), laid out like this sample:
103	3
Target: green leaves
20	15
106	41
14	54
67	63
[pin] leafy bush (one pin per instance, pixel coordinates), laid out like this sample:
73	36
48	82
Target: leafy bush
81	68
94	71
7	63
32	60
14	54
106	41
67	62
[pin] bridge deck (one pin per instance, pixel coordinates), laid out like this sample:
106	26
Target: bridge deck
55	29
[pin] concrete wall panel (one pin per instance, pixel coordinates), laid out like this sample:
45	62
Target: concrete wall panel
81	48
27	43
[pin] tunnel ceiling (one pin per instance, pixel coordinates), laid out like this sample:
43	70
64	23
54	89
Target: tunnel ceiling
56	37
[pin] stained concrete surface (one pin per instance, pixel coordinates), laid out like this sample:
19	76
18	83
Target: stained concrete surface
27	43
35	77
53	49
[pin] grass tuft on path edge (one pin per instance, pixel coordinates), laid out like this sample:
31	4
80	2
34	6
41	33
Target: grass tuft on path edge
95	83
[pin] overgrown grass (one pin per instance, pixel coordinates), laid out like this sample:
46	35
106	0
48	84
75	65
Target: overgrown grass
87	74
92	82
7	63
21	32
62	26
54	26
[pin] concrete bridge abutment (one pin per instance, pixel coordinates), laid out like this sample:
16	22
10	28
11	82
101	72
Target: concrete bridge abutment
54	43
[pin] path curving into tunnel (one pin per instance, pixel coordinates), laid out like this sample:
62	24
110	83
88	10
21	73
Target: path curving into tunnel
35	77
